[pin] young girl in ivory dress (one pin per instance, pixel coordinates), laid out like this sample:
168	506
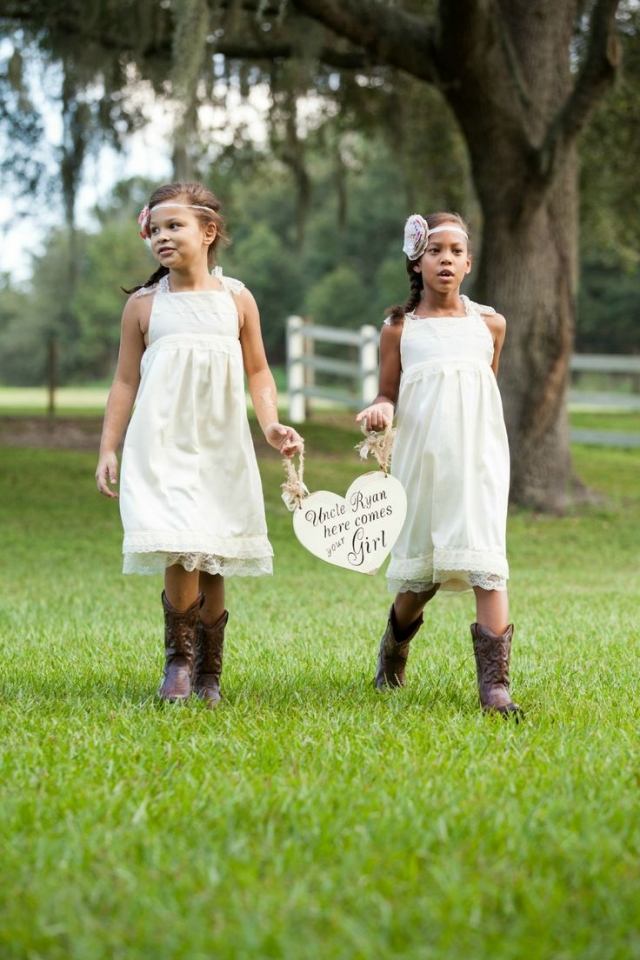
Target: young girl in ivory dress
190	493
439	356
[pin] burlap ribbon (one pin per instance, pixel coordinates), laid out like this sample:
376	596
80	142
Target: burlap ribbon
379	445
293	489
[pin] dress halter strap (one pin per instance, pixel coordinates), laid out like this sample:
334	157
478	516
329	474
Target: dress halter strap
229	284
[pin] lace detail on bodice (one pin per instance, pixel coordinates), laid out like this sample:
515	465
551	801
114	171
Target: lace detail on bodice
145	291
230	284
429	344
470	307
481	307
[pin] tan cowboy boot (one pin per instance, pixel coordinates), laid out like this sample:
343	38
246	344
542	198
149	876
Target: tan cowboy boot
208	660
179	630
492	652
393	652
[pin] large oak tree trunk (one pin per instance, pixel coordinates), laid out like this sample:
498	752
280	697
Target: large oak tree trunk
528	271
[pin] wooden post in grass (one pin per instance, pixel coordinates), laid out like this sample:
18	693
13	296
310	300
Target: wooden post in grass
308	350
52	374
295	370
368	364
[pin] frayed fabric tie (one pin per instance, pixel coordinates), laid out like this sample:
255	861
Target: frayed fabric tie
293	489
379	445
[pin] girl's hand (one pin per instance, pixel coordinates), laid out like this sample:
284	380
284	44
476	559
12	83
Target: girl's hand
106	473
377	416
285	439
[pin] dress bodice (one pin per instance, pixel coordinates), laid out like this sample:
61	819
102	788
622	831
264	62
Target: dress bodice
194	312
441	341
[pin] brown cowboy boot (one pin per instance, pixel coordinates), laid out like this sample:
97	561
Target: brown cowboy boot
492	652
179	629
393	652
208	661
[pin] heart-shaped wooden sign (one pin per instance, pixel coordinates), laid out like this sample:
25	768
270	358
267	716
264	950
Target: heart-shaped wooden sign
356	531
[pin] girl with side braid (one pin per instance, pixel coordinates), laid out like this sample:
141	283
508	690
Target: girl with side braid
439	356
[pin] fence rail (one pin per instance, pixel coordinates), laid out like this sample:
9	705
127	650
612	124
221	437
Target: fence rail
303	363
605	363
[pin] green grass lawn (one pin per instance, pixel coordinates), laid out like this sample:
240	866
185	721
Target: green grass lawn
310	817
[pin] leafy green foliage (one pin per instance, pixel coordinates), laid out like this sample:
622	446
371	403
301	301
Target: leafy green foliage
23	340
608	309
274	277
610	181
340	295
86	326
114	253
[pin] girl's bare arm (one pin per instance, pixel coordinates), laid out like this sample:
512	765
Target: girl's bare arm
121	396
497	328
379	414
260	379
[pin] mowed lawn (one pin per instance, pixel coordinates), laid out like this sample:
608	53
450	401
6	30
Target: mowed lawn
310	817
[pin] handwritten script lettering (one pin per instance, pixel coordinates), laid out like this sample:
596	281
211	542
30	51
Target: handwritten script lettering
356	531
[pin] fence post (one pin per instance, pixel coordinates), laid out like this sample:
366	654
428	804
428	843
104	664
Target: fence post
295	370
308	347
368	363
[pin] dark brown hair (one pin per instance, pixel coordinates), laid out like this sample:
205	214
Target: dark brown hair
397	312
193	193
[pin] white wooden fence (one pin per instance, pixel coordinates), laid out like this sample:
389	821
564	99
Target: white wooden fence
303	362
606	401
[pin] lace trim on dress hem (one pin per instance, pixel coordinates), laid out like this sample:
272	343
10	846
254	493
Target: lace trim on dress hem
480	562
236	548
150	563
455	584
452	569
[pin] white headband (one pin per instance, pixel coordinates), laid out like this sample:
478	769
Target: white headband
417	233
196	206
144	217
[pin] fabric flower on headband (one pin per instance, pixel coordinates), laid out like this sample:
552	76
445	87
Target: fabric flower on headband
143	220
416	235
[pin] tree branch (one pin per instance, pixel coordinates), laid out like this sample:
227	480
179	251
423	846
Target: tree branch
390	35
330	57
479	75
513	64
26	14
596	74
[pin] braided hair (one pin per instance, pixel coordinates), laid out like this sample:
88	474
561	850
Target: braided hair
396	313
193	193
